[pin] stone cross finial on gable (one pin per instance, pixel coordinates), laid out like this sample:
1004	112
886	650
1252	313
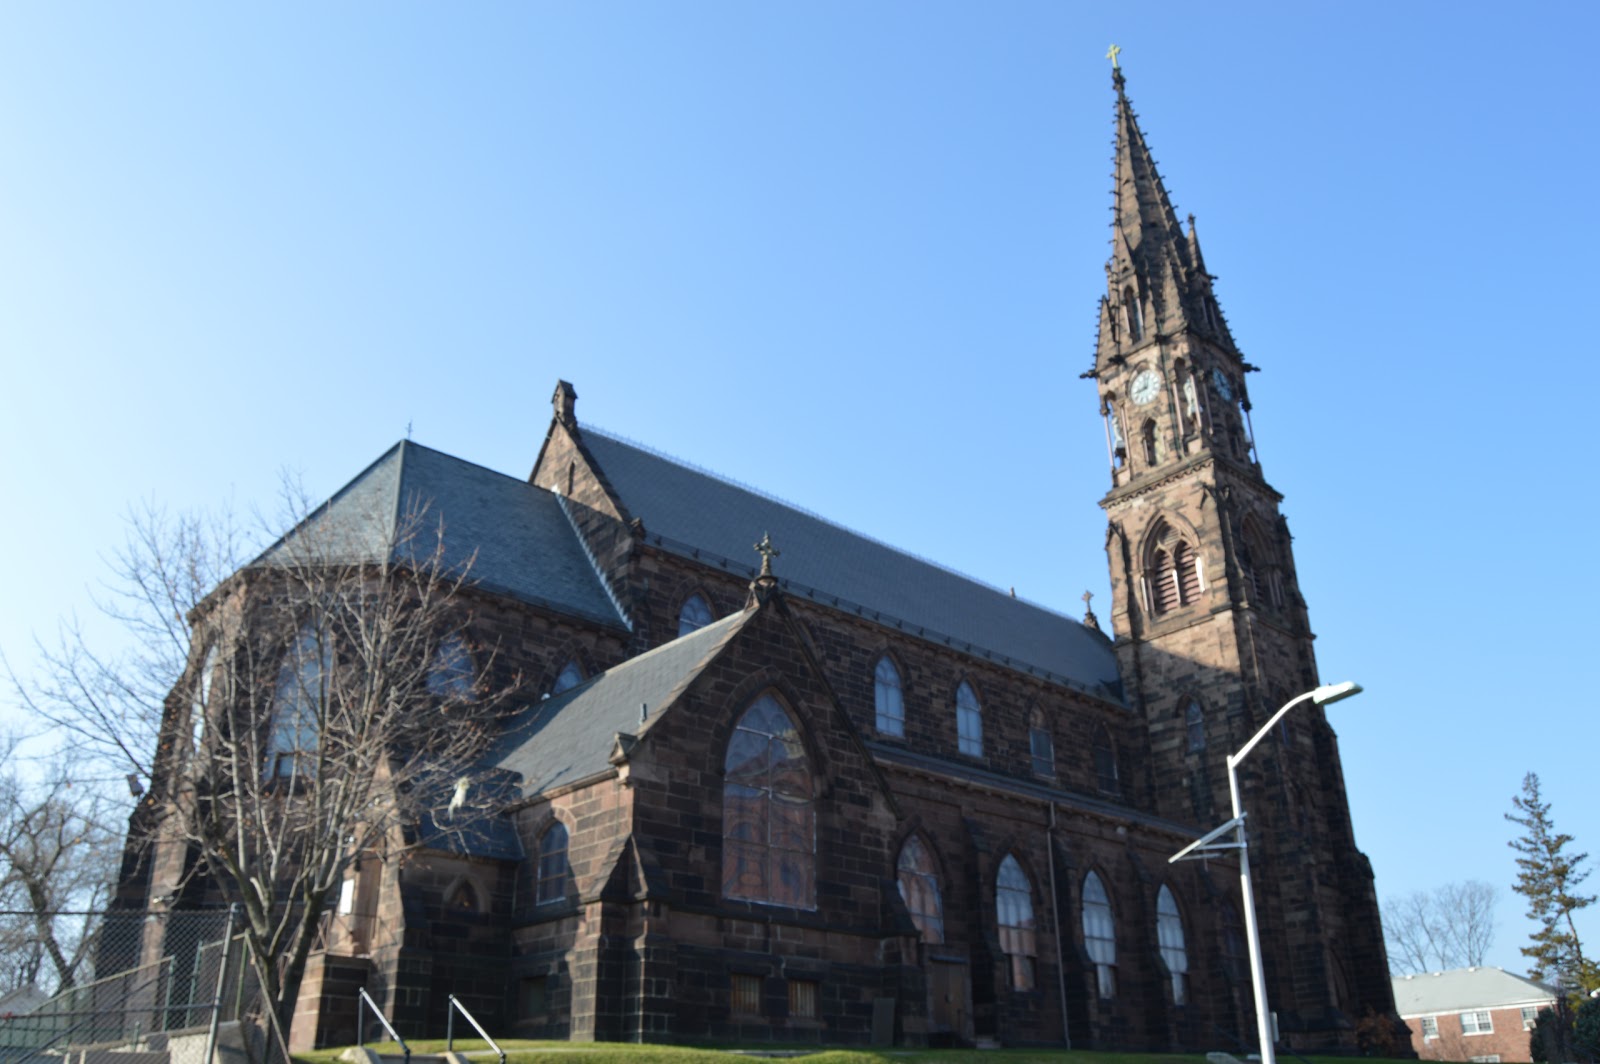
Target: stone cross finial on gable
1089	619
767	552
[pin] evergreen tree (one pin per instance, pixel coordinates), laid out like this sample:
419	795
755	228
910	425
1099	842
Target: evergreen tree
1549	879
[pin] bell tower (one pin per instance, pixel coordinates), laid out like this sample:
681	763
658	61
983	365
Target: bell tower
1207	617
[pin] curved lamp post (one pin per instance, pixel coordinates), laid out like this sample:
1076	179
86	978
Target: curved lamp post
1217	840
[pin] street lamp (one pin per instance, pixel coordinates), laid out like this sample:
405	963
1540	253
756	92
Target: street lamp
1215	841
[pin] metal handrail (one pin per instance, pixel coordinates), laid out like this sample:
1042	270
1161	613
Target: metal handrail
361	1027
450	1028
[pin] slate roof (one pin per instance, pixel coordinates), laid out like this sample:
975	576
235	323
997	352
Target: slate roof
697	514
515	536
570	736
1465	988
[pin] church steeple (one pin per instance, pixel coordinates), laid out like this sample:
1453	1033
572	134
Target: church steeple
1156	280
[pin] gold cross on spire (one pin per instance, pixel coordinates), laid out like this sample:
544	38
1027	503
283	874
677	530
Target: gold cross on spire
1112	54
767	552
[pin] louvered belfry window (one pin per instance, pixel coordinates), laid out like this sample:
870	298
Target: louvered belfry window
1188	573
1163	583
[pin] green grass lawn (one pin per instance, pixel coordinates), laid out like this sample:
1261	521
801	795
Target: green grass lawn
523	1051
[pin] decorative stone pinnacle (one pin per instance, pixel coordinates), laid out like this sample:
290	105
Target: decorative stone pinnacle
767	552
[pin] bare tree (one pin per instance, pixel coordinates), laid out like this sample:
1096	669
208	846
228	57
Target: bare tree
110	706
57	861
336	709
1448	927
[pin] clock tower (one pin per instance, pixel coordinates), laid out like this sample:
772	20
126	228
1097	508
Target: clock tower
1208	621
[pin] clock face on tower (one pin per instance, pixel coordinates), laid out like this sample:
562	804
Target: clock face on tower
1146	386
1220	381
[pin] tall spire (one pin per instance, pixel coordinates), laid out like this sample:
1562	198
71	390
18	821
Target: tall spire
1156	279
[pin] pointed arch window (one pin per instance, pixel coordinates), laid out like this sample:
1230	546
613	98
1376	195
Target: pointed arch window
463	898
1194	726
1014	908
1258	568
554	871
1172	572
919	888
1100	935
571	675
202	699
695	614
769	835
969	721
1151	440
1169	938
450	675
299	704
1130	304
1041	746
1105	762
888	698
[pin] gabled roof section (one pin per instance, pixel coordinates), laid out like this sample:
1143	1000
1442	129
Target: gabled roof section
696	514
1465	988
512	538
570	737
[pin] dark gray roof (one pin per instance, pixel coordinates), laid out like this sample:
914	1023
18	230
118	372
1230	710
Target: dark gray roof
570	736
695	513
515	536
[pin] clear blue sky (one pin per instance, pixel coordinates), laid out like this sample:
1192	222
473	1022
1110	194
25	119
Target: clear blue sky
851	253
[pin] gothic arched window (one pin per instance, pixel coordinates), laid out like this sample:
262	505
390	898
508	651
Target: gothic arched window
919	887
1105	762
1169	937
1152	443
463	898
1258	568
969	721
571	675
695	614
1172	570
1100	935
202	698
1130	304
300	703
554	871
886	694
769	833
1041	746
450	673
1194	726
1014	909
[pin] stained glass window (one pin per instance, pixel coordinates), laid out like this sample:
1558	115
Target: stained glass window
1100	934
299	704
1169	937
554	871
919	886
1194	724
695	614
969	721
769	835
891	707
1014	906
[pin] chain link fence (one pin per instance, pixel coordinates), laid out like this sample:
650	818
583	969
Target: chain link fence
153	988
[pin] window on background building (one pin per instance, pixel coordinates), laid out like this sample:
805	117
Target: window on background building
1477	1021
1530	1016
299	702
1105	762
1014	906
919	887
695	614
969	721
1194	726
1100	935
1430	1027
571	675
1041	746
802	999
891	718
554	870
1169	937
769	836
745	994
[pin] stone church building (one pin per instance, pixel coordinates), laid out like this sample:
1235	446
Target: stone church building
827	792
